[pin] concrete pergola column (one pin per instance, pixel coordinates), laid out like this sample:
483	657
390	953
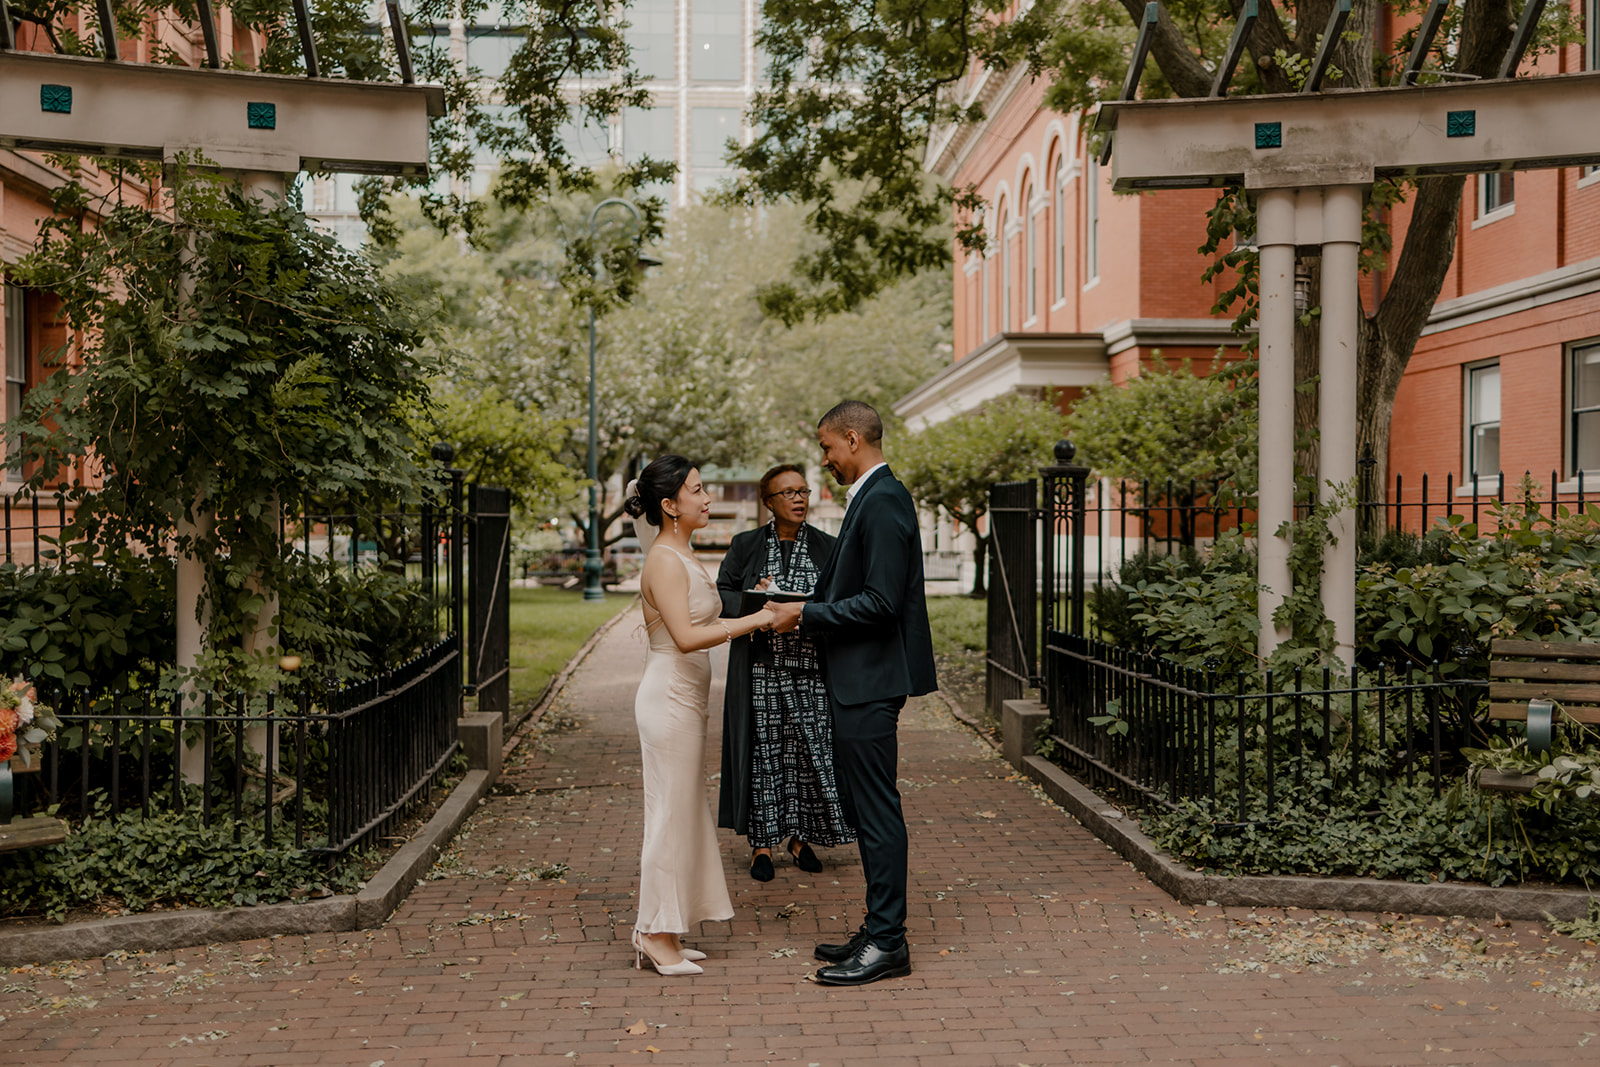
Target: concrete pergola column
1275	241
1341	250
193	606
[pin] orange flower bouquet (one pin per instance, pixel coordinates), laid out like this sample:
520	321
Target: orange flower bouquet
25	724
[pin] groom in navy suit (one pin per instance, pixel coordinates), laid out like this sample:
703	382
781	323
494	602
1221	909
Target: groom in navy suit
870	621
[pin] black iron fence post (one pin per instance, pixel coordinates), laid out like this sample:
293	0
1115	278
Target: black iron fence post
489	591
1065	487
1013	615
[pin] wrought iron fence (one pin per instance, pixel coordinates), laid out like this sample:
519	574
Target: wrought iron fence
320	765
489	629
32	526
1013	617
1122	518
1154	733
324	769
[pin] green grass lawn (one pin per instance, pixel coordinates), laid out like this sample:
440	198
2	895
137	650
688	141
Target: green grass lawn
958	623
548	624
959	642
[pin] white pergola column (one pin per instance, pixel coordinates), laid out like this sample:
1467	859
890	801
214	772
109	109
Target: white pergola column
193	609
1275	239
1341	249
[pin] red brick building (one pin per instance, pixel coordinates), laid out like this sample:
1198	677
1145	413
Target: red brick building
1079	284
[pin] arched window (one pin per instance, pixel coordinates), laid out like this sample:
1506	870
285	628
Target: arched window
1030	253
983	279
1091	221
1006	269
1059	188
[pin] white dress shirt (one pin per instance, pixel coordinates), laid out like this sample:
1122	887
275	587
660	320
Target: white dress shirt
850	490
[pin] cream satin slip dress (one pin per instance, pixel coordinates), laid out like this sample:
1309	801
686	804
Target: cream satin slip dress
680	867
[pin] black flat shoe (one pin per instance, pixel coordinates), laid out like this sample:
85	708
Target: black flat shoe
761	868
869	964
805	859
840	953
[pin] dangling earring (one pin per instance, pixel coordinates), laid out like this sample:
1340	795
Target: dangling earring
674	525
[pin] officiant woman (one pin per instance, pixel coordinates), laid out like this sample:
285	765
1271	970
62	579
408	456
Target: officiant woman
778	786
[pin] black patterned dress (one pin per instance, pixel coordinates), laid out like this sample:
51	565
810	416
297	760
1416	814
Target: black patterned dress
793	792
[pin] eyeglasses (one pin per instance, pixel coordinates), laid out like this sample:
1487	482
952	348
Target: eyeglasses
791	494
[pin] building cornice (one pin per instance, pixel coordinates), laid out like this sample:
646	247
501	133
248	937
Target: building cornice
1169	333
1524	294
1007	363
949	147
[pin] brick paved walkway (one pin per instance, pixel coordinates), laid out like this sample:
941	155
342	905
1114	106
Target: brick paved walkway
1032	944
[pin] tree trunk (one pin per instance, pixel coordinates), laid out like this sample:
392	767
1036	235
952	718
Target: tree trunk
980	557
1307	366
1423	263
1389	336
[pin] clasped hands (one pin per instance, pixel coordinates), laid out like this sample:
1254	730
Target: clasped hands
785	617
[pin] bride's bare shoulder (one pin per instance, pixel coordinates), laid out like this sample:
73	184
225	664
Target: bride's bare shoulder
660	558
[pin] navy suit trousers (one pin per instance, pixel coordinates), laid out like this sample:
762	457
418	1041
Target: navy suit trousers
866	761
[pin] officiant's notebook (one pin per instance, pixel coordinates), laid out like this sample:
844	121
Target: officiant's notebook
753	600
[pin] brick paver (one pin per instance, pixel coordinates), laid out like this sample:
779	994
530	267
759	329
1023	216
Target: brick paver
1032	944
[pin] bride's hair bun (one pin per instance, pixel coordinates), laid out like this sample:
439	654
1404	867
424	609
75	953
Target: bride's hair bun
660	481
630	499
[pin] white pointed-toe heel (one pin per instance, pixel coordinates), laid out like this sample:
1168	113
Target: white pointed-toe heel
693	955
672	970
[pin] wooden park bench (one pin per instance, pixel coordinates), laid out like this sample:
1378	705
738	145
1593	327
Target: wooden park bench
1535	682
34	832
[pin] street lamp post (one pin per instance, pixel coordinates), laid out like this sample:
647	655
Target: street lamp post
592	589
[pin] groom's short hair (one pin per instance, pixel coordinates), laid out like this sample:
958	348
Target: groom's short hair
854	415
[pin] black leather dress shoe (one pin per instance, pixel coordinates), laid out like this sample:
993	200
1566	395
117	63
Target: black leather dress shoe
840	953
761	868
804	858
869	964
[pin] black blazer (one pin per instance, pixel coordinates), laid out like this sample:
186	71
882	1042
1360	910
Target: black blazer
741	569
868	615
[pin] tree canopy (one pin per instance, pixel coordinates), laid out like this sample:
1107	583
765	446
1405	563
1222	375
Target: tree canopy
691	365
236	361
949	466
1170	426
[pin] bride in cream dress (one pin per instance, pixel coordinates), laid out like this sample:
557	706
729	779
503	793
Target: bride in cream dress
680	867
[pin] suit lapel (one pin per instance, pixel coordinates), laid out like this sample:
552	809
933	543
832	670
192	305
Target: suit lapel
851	511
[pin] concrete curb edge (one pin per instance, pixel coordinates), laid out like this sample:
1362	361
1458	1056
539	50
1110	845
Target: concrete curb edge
158	931
1124	837
556	684
386	889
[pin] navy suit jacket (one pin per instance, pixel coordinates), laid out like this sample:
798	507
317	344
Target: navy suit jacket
868	614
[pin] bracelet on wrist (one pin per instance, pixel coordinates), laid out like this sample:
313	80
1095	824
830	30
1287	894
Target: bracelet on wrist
725	629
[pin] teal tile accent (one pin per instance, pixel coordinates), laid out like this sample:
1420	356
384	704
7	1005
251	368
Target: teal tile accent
56	98
262	116
1460	123
1269	135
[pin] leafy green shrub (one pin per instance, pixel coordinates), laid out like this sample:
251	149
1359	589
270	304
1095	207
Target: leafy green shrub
1530	577
1115	605
1420	599
351	623
166	859
1192	608
1403	832
106	623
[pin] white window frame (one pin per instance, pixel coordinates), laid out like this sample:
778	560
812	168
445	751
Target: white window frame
14	324
1030	258
1058	192
1486	214
1569	417
1091	224
1007	269
988	298
1470	479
